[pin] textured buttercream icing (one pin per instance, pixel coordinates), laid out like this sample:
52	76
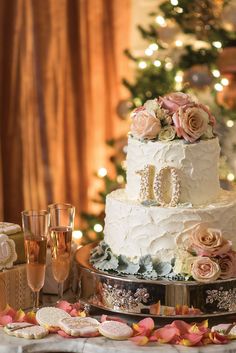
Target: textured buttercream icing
134	230
196	164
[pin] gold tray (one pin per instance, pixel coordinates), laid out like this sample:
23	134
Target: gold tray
156	298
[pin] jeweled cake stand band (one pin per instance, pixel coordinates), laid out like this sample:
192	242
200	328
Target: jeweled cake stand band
133	296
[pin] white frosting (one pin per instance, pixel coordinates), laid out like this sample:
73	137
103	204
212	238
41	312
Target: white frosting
134	230
197	166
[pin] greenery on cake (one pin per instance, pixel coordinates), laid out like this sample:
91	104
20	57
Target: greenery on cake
174	116
204	257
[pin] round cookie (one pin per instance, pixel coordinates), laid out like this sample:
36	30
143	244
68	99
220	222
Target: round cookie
25	330
49	317
115	330
79	326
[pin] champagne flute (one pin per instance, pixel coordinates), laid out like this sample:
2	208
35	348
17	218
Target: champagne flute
61	226
35	226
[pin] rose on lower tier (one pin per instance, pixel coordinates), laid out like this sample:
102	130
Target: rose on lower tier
227	263
205	270
208	242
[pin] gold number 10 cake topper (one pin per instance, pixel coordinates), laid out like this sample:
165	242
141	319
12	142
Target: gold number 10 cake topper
164	186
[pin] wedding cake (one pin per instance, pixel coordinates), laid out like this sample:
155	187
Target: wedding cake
172	220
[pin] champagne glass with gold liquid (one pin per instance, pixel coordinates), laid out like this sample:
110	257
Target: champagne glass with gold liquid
35	226
61	227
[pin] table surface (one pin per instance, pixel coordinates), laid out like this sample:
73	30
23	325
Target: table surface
55	343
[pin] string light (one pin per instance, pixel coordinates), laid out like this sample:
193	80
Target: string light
218	87
169	66
178	43
217	44
230	123
225	81
179	9
148	52
102	172
179	77
142	64
120	179
77	234
157	63
161	21
98	228
230	177
216	73
154	46
174	2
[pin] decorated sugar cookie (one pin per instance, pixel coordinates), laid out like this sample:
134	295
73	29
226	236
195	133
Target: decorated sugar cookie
49	317
7	252
9	228
115	330
26	330
79	326
225	329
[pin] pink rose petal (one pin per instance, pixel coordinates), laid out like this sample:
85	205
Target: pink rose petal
166	334
112	318
5	319
140	340
64	305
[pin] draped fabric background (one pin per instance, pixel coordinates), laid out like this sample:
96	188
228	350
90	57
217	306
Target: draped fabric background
61	64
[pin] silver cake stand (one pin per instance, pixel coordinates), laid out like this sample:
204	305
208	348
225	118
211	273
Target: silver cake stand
156	298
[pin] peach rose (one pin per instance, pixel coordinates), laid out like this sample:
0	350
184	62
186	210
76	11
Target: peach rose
144	124
174	100
208	242
227	263
191	122
205	270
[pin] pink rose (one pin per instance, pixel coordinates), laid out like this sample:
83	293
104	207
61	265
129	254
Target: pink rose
208	242
212	119
190	121
173	101
144	125
227	263
205	270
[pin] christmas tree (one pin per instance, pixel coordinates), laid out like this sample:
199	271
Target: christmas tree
191	47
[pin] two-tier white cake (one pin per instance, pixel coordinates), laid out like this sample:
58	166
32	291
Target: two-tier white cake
173	218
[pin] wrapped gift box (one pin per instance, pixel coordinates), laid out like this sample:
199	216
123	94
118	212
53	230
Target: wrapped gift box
14	232
17	292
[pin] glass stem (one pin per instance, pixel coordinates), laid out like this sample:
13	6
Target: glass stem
60	291
35	301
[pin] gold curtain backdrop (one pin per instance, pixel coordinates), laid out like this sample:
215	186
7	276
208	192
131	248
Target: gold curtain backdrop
61	64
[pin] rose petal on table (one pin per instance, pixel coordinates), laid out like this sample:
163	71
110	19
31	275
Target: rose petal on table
140	340
144	327
5	319
30	317
218	338
112	318
9	311
64	305
166	334
191	339
181	325
64	334
20	316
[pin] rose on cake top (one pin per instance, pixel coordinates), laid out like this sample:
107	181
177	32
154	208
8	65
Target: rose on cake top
173	116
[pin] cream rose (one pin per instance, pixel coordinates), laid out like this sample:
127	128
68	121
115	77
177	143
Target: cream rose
208	242
205	270
227	263
183	262
173	101
191	122
144	125
167	134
